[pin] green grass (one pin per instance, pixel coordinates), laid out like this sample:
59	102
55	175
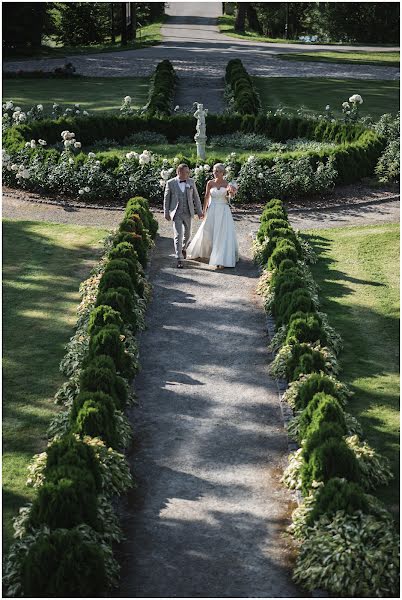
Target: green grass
43	265
358	275
314	93
386	59
226	26
149	35
94	94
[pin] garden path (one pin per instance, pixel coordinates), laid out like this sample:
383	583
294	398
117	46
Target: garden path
195	46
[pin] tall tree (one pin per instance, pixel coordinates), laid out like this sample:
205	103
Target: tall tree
252	18
240	22
123	26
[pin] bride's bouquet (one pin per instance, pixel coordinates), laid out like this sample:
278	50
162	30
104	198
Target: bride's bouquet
232	191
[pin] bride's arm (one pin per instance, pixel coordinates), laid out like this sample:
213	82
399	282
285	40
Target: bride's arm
206	197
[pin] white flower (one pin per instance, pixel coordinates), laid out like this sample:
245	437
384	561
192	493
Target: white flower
356	98
97	162
260	176
77	144
24	173
16	115
68	110
232	154
162	183
70	161
39	106
14	167
176	160
131	155
71	135
348	112
55	105
327	107
42	142
9	105
18	109
144	158
131	178
207	168
76	105
67	143
77	112
22	118
91	154
251	158
87	189
85	113
28	145
127	99
345	105
165	175
176	107
33	144
81	192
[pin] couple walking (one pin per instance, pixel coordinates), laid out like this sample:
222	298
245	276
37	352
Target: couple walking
216	238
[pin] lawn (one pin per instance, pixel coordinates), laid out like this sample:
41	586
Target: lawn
94	94
43	265
314	93
149	35
386	59
358	275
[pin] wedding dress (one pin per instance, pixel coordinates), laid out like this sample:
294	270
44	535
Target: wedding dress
216	238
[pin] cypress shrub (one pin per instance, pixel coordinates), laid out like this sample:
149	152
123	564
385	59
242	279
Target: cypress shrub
305	329
104	315
316	437
284	249
338	494
134	269
94	419
70	452
303	357
115	279
322	407
107	341
65	502
140	206
121	300
96	378
333	458
123	250
286	265
317	382
272	224
60	564
292	302
137	243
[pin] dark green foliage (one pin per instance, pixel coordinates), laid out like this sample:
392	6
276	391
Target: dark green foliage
304	359
134	270
284	249
306	328
123	250
61	565
161	92
115	279
107	341
137	242
316	437
317	382
93	413
321	408
333	458
292	302
338	494
64	502
247	101
285	265
103	315
140	206
97	378
121	300
68	451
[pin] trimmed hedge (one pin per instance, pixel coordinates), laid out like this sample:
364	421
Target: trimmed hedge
161	92
246	99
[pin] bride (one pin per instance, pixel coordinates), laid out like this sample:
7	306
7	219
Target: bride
216	238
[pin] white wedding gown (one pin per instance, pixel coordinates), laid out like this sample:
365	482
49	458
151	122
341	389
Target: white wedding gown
216	238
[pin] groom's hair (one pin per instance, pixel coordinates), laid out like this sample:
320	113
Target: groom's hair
182	166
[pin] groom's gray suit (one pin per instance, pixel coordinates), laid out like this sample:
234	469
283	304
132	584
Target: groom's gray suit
180	207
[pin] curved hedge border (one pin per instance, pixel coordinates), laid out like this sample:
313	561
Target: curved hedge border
246	99
65	536
161	91
349	543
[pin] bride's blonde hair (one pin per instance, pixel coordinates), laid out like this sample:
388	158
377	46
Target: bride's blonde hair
220	167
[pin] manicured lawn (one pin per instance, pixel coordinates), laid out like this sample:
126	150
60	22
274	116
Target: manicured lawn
314	93
358	275
387	59
92	93
43	265
149	35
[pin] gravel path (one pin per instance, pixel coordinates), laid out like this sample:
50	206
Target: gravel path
195	46
209	511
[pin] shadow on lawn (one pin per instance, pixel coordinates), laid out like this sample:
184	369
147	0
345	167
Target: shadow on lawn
370	352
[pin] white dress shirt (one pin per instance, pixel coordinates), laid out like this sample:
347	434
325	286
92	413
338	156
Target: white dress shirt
182	185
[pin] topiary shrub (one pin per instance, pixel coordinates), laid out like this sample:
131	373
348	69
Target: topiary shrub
306	328
292	302
332	458
123	250
122	301
70	451
283	249
140	206
96	378
318	382
122	264
115	279
286	265
138	244
321	408
303	359
107	341
93	414
59	564
338	494
64	502
102	316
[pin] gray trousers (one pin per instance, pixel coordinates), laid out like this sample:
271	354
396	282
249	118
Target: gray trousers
182	232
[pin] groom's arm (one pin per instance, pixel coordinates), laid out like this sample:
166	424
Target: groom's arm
197	201
166	201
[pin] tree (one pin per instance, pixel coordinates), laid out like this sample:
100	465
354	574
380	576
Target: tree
25	23
240	22
83	22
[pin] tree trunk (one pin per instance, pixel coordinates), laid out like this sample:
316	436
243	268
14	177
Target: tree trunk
112	35
123	23
240	23
134	20
38	16
252	19
223	8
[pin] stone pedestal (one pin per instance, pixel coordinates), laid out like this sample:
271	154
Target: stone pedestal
200	141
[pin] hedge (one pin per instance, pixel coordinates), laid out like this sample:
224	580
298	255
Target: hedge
161	91
246	99
66	535
330	467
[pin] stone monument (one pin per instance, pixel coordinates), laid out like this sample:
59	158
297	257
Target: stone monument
200	137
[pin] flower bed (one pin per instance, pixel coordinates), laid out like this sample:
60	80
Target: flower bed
349	545
51	169
64	538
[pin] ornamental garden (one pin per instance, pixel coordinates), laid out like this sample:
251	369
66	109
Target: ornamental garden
345	533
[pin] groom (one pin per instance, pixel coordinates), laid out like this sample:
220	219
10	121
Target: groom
181	201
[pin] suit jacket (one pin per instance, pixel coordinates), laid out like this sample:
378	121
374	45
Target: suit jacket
171	198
